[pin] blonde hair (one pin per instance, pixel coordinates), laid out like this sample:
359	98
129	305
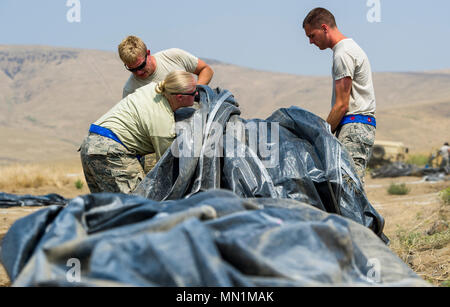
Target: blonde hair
177	81
130	49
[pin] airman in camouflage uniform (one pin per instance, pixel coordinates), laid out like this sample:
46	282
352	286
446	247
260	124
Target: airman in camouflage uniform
109	166
140	124
353	103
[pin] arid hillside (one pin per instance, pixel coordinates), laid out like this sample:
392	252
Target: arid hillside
49	96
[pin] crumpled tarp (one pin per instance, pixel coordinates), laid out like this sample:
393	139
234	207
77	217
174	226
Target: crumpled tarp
11	200
400	169
213	238
311	165
305	220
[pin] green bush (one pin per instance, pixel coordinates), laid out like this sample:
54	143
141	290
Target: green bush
398	189
445	196
418	160
419	241
79	184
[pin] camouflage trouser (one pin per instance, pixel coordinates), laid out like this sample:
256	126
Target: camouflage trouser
445	162
148	161
108	166
358	140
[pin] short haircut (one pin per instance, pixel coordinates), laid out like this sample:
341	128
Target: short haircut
319	16
130	49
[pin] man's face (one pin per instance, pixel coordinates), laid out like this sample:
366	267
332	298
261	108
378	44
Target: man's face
141	70
317	36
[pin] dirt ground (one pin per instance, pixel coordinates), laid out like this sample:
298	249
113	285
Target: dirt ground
417	225
410	222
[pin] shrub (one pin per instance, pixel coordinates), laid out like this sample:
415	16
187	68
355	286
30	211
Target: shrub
418	160
445	196
418	241
398	189
79	184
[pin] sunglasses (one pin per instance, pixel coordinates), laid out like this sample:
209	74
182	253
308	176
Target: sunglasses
187	94
140	67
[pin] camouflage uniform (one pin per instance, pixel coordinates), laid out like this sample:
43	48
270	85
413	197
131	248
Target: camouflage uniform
358	140
108	166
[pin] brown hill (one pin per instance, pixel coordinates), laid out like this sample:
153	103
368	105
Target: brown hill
49	96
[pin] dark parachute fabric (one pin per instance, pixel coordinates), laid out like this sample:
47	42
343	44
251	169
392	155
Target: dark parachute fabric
218	220
213	238
312	165
399	169
11	200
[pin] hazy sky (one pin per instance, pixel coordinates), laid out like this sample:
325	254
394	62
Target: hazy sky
410	35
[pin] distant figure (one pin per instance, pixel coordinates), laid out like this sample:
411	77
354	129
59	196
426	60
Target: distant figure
444	152
352	116
141	123
146	68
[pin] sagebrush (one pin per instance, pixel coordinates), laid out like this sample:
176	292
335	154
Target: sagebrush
398	189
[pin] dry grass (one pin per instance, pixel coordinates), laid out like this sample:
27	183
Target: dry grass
51	177
445	196
425	246
63	177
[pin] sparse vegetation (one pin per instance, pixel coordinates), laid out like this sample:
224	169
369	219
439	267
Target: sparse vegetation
79	184
35	176
419	241
419	160
445	196
412	246
31	119
424	244
398	189
29	176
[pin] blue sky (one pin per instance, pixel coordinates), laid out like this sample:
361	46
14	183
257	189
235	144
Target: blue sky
267	35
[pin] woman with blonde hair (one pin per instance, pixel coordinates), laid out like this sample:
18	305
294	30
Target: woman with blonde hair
140	124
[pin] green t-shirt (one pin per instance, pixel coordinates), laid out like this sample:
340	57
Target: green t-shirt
166	62
143	121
